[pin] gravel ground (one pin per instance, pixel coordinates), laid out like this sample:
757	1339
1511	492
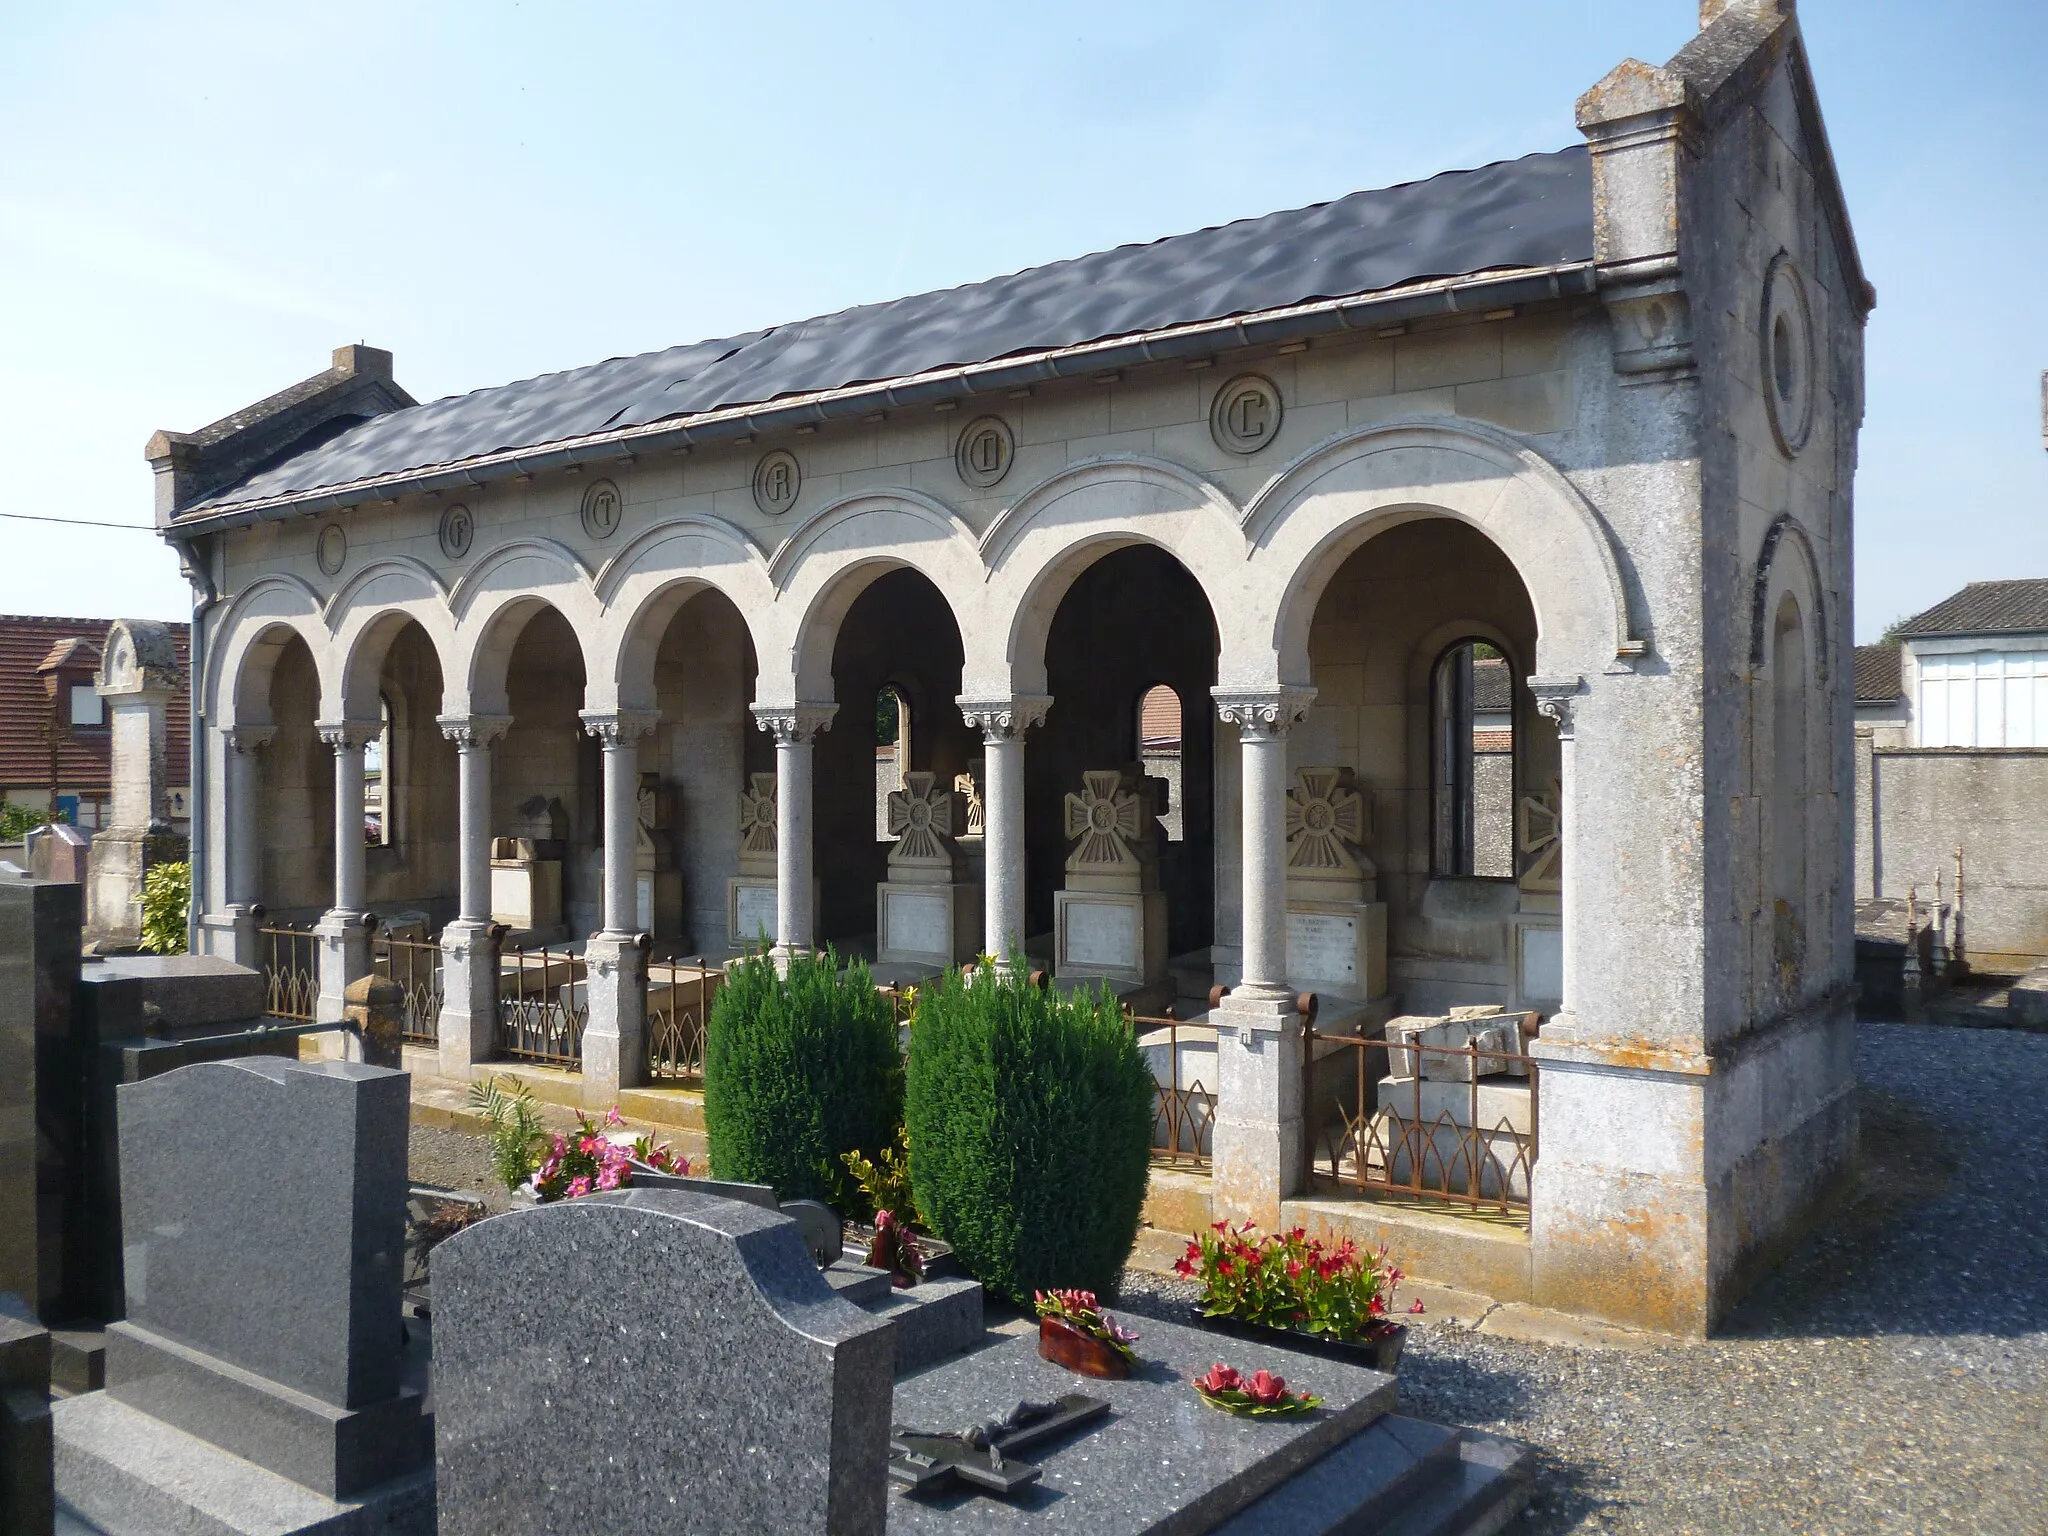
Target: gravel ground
1891	1377
456	1160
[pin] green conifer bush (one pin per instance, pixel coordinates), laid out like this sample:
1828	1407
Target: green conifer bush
798	1070
1030	1119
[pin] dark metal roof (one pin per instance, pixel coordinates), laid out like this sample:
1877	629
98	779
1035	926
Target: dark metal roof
1530	213
1878	679
1985	608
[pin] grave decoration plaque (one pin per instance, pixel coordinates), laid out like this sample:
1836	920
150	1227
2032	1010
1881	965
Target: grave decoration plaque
1110	917
929	911
984	1456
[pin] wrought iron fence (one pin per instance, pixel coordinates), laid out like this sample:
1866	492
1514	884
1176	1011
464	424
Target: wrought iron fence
543	1006
415	964
679	994
1184	1111
291	971
1435	1123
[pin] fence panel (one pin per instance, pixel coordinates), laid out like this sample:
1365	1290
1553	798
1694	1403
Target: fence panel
415	964
291	971
1182	1057
543	1006
679	995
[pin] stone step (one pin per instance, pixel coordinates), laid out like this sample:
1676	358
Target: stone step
121	1472
1491	1485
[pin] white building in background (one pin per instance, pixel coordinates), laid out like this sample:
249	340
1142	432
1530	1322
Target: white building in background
1593	413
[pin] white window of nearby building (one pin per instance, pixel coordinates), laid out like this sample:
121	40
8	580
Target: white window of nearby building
1984	699
87	707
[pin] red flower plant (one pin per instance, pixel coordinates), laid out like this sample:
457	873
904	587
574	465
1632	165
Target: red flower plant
1077	1309
1290	1280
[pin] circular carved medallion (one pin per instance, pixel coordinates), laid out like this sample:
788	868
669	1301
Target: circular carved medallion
458	531
1245	415
777	479
1787	355
331	549
983	454
603	509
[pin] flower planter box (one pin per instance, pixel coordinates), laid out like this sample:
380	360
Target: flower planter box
1069	1346
1381	1351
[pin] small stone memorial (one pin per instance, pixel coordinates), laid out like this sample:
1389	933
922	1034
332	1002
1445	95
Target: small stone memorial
751	898
928	912
138	678
653	1361
263	1209
1336	926
526	870
1110	920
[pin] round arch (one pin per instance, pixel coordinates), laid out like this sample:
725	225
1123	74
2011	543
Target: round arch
367	615
261	620
1315	513
494	602
646	583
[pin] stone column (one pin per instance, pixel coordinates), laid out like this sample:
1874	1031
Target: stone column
1002	723
794	727
232	929
344	932
469	955
1258	1136
1554	700
615	1035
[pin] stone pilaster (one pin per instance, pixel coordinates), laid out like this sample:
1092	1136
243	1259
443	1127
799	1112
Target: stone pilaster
231	931
469	950
615	1034
795	727
344	932
1259	1132
1002	723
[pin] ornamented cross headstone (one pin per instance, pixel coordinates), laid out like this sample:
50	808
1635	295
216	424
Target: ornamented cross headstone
1327	821
751	895
927	912
968	787
1336	928
1112	824
1110	920
757	820
921	821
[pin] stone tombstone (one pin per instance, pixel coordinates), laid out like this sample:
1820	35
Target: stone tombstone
138	678
28	1496
1110	919
375	1015
59	852
263	1213
657	881
734	1390
751	899
1336	928
526	869
928	912
45	1236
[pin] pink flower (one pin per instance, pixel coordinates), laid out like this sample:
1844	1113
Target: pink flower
613	1117
1266	1389
609	1176
1221	1378
1416	1308
1117	1332
578	1186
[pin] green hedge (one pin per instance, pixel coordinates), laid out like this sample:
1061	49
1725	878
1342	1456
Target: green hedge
1030	1119
797	1070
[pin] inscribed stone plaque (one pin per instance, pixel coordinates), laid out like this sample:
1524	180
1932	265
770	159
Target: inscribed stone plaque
1101	933
918	922
754	912
736	1391
1322	946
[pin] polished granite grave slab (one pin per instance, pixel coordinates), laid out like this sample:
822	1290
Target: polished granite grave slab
1162	1462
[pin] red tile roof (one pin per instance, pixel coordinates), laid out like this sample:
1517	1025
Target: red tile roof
83	756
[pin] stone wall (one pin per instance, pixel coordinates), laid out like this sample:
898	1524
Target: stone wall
704	679
547	755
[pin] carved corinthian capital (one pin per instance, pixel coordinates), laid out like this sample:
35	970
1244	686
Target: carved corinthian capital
349	735
619	727
1261	713
1556	698
1003	719
794	724
473	730
249	738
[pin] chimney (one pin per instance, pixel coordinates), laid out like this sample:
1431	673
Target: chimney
361	362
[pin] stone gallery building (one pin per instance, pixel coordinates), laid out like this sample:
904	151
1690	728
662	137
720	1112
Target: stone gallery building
1527	483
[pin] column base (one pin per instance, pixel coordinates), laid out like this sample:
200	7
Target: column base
468	1028
344	939
230	934
1258	1134
615	1035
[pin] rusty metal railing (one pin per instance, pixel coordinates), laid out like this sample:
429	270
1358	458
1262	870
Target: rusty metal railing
679	996
291	970
415	964
1184	1106
543	1006
1435	1123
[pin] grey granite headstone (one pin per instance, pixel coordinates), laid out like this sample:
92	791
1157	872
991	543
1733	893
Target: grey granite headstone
27	1491
44	1233
652	1361
263	1216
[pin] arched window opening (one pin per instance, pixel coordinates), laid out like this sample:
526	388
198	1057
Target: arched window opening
1159	725
380	810
1472	708
1787	861
892	753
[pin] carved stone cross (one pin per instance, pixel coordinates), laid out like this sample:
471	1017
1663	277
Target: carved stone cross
1109	819
1327	821
757	817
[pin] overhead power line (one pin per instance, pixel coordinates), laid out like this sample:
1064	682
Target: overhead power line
77	522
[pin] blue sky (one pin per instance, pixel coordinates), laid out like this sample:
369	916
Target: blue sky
198	203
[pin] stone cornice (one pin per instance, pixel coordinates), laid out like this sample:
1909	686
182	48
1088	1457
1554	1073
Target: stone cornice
1003	719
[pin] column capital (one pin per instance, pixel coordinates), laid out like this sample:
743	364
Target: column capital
619	727
248	738
794	724
1003	719
473	730
1262	713
349	735
1556	699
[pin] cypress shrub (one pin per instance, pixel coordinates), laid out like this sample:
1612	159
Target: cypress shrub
1030	1119
797	1070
